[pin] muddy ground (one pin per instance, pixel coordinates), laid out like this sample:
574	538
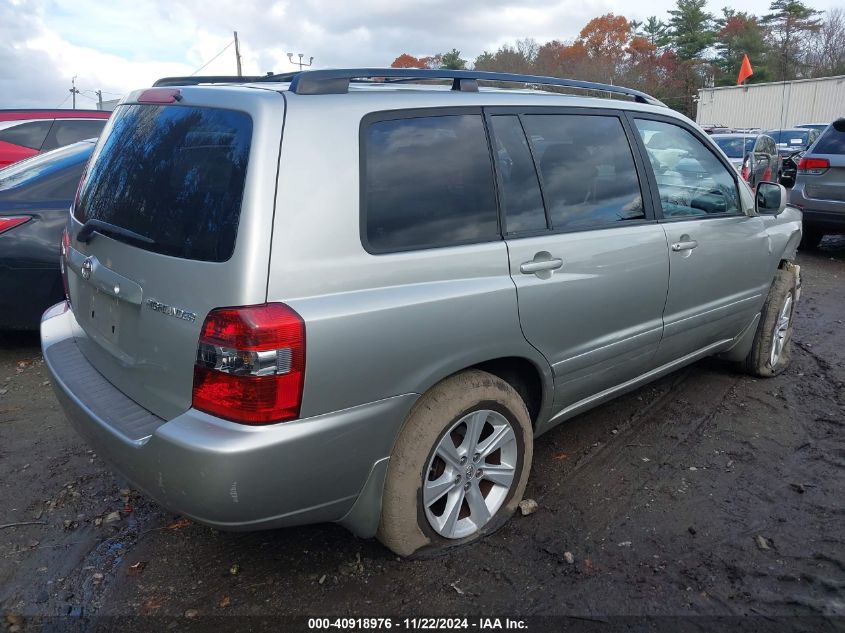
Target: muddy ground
706	493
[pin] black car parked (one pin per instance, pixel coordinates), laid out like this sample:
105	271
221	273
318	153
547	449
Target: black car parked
35	195
792	142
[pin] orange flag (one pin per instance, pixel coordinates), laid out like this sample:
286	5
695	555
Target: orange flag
744	71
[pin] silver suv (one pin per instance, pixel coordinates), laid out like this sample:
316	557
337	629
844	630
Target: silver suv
819	189
344	296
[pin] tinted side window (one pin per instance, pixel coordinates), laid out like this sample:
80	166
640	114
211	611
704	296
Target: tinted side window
29	134
691	180
70	131
428	182
587	169
831	142
521	197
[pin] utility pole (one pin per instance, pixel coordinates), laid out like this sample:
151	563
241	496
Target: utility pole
238	54
300	63
74	90
99	94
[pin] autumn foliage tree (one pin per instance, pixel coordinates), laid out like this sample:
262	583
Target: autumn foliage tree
408	61
671	59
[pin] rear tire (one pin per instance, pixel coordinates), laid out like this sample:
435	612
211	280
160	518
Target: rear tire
471	503
771	349
810	239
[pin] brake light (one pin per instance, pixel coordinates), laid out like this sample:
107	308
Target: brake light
813	165
8	223
250	365
745	172
65	245
160	95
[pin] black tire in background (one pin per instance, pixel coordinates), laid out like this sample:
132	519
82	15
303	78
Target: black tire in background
810	238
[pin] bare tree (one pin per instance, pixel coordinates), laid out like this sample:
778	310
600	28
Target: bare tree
827	46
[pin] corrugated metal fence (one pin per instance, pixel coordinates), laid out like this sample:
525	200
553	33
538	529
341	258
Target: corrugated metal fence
773	105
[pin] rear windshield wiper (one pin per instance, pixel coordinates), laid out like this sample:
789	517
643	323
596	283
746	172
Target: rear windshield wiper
91	227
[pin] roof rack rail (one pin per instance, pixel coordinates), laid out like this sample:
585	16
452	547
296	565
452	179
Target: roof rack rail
336	81
194	80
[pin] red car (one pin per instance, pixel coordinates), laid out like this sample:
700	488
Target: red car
25	133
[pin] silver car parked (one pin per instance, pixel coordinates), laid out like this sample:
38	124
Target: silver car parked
342	296
819	189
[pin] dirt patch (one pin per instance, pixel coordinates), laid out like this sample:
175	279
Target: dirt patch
708	492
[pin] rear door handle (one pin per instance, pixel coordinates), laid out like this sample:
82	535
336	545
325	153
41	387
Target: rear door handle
687	245
535	266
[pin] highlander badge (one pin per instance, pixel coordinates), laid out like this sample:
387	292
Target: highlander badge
165	309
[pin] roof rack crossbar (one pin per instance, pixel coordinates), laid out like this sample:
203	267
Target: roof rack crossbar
336	81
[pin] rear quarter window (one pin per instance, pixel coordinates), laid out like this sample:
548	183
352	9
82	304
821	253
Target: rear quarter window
30	134
69	131
831	142
173	174
427	182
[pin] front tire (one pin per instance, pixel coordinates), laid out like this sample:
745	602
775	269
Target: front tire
770	352
459	467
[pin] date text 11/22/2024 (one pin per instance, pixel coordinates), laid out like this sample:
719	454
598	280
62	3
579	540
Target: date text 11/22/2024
417	624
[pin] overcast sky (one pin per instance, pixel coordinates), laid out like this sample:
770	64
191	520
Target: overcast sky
119	45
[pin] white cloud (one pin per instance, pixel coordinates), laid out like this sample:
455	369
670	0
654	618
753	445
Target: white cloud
125	44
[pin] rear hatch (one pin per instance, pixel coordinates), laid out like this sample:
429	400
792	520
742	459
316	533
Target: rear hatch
180	195
825	179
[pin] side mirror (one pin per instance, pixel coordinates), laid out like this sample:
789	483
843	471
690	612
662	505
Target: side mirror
770	198
839	125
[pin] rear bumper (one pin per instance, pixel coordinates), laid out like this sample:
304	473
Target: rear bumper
227	475
819	214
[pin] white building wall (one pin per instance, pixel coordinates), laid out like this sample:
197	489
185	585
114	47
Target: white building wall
773	105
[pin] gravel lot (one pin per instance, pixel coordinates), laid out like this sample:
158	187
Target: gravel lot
706	493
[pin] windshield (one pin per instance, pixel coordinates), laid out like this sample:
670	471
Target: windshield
28	170
733	145
790	138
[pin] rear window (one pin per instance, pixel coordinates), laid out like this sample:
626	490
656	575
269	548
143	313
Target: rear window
790	138
428	182
172	174
735	146
30	134
831	142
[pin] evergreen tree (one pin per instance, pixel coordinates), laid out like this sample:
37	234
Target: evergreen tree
690	29
740	33
790	23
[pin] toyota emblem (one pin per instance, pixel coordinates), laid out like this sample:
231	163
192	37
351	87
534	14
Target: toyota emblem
87	267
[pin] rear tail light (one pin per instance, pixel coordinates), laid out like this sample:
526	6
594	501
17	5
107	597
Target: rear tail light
250	364
745	172
8	223
65	245
813	165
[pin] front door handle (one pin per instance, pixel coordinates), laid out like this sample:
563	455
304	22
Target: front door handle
686	245
536	266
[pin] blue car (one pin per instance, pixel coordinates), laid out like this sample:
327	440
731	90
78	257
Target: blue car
35	196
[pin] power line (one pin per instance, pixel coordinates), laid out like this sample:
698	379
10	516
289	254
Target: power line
212	59
64	101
